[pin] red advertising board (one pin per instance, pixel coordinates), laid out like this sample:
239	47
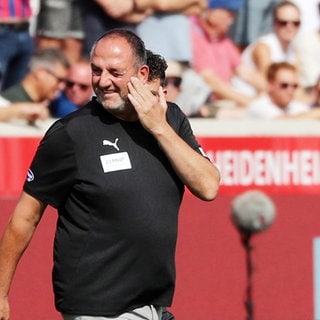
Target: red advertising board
282	165
16	155
211	269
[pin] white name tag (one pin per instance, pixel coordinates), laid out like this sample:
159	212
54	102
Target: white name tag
115	162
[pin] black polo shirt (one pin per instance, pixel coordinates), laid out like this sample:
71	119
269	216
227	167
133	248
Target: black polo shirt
118	199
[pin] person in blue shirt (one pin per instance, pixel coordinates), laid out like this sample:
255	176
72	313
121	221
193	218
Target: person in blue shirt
77	91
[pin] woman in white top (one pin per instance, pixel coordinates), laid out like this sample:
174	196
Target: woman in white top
273	47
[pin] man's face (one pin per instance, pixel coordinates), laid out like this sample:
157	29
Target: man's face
219	20
112	65
78	85
287	23
173	87
154	86
283	87
52	81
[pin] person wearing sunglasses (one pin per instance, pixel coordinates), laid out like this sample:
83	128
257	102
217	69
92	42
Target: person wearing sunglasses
29	99
216	58
279	101
187	89
275	46
77	91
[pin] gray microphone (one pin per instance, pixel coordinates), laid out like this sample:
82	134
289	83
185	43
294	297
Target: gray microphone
252	211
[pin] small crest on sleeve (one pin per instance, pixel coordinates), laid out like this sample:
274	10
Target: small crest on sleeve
30	176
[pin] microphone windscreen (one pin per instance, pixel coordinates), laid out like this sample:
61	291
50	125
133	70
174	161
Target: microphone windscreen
252	211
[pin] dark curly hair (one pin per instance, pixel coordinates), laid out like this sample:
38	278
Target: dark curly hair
157	67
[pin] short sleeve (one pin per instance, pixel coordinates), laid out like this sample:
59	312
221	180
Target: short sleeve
53	169
180	123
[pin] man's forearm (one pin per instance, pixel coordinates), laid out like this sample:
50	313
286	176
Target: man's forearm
171	5
200	176
16	238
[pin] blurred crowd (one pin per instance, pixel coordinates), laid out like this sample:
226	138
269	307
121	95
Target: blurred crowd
227	59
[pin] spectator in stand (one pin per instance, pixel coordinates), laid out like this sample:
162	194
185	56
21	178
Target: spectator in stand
77	92
45	78
276	46
59	25
16	42
215	56
187	89
314	103
314	112
173	81
279	101
161	24
166	31
253	20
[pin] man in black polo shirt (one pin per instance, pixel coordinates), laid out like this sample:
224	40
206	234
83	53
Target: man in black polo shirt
116	171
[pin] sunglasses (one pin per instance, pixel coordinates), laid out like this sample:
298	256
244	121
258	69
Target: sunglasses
284	23
286	85
175	81
71	84
59	79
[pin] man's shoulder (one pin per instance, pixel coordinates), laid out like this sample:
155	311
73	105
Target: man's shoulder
85	111
16	93
174	110
176	117
76	124
89	117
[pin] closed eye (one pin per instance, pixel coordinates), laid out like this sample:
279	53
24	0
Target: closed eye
95	70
